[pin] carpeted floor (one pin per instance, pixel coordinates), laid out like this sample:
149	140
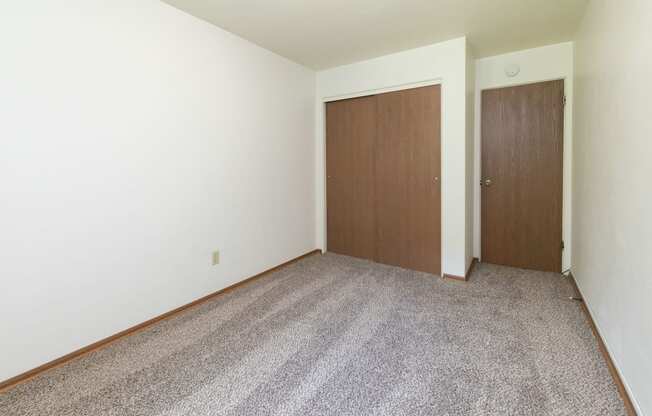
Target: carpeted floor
333	335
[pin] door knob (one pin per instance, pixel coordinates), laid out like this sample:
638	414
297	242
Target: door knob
487	182
436	179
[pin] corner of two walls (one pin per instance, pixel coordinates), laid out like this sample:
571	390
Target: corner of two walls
463	80
470	149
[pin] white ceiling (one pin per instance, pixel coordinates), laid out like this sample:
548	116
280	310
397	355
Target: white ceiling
326	33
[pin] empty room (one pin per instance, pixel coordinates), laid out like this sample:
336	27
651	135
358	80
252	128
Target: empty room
286	207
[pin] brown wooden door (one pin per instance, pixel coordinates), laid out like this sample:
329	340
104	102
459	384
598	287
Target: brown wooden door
408	184
350	137
522	144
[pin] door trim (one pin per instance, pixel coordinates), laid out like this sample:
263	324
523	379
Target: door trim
376	91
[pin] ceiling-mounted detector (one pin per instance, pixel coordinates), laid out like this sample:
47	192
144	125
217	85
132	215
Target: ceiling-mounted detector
512	70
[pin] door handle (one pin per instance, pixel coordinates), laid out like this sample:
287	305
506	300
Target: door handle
487	182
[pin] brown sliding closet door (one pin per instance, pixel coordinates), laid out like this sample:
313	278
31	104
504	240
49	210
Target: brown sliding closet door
383	186
350	137
408	185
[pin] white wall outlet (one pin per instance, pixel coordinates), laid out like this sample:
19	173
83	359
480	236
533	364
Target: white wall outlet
216	258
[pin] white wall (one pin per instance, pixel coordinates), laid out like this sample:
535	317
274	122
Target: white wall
470	155
612	197
134	141
540	64
443	63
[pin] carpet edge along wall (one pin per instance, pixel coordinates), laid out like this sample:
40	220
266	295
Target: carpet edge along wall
30	374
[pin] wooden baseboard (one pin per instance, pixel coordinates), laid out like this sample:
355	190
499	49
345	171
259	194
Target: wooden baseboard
21	378
629	406
466	277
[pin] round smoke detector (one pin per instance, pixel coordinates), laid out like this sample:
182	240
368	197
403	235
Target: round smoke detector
512	70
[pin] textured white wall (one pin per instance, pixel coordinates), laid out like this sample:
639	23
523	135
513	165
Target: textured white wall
443	63
612	191
135	140
540	64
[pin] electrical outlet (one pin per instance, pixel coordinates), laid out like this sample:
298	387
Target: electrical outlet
216	258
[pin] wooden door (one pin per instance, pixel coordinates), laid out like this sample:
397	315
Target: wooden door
522	168
350	137
408	184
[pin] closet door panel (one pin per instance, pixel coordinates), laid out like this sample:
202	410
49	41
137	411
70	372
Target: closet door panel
408	179
350	142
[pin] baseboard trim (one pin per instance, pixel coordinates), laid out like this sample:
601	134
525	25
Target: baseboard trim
466	277
615	374
28	375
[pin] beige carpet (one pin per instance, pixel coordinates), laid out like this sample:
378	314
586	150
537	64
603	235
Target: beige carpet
333	335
